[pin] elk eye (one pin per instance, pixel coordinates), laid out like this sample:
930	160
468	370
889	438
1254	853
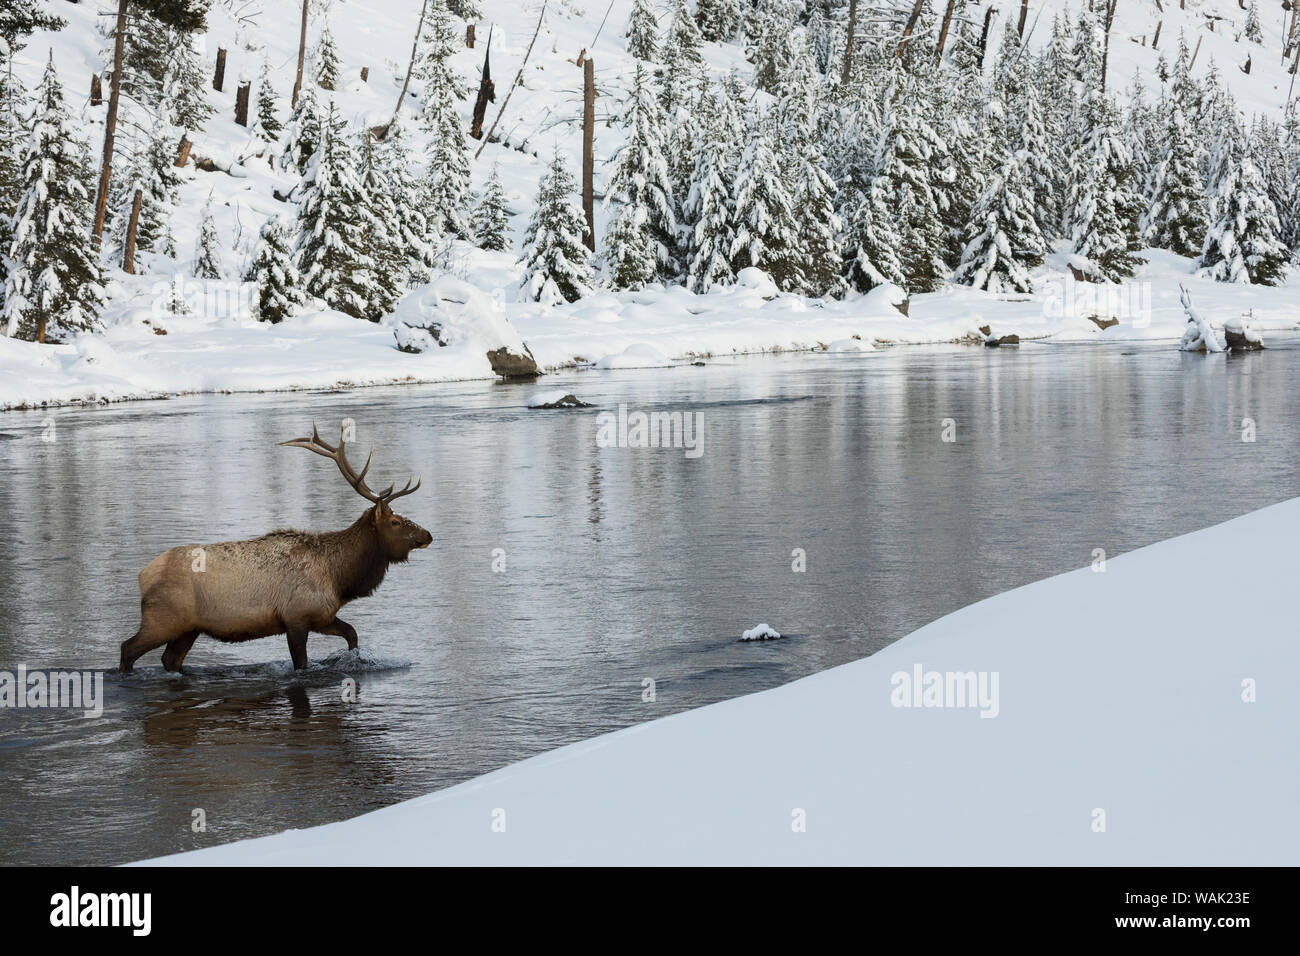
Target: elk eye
396	522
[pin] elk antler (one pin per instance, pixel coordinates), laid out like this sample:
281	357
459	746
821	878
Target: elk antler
340	458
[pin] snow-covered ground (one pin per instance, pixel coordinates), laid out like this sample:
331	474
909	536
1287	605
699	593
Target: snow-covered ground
1140	714
643	329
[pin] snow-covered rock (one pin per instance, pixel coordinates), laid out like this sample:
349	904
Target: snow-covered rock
760	632
641	355
849	345
1240	337
451	312
556	398
756	280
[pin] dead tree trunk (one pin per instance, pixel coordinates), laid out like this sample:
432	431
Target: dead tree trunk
302	54
487	92
469	35
518	78
96	90
183	153
848	43
132	228
1155	41
410	66
219	77
943	30
984	33
1105	43
365	74
1192	62
110	126
588	149
1024	15
907	30
241	102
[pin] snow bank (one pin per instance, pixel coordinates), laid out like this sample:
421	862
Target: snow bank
1129	726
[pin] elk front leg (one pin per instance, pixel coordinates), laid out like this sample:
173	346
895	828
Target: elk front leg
341	628
298	647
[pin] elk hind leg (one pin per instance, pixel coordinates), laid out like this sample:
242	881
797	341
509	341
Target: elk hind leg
176	650
341	628
298	646
144	641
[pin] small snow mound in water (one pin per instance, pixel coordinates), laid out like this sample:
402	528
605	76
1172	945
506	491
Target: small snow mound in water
760	632
359	660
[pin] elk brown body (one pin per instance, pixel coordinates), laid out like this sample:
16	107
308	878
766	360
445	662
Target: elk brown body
286	582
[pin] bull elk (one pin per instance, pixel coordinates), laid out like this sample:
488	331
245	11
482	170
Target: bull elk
286	582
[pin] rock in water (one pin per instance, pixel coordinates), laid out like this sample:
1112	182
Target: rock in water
1239	337
509	364
995	341
557	398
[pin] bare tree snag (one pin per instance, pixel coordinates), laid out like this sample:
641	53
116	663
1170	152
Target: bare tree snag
519	77
588	149
132	228
848	44
943	31
911	24
241	102
410	67
302	54
1192	62
1155	41
1245	67
1105	43
110	126
984	33
183	153
96	90
1024	15
365	74
219	77
487	92
469	35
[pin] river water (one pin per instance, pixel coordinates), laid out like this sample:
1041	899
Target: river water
571	589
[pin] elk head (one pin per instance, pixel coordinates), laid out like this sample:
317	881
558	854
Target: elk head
397	536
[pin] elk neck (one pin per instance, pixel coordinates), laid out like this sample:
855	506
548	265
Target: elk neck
360	562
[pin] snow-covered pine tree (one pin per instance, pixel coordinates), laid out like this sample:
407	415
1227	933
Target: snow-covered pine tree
1043	163
640	184
467	10
708	209
268	121
185	84
1252	30
556	264
446	176
414	237
273	273
491	220
771	28
333	250
386	241
681	60
1242	244
1003	238
325	60
871	243
1177	219
1104	209
767	225
906	162
1087	48
207	255
304	132
147	165
718	20
55	284
643	32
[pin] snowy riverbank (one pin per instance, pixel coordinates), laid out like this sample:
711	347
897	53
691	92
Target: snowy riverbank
1138	715
329	350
